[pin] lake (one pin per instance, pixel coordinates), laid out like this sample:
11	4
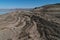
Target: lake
4	12
1	12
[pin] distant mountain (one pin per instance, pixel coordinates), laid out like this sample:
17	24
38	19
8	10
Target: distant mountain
40	23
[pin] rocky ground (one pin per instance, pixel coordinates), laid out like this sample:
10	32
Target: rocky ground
40	23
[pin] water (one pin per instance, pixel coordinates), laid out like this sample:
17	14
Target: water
4	12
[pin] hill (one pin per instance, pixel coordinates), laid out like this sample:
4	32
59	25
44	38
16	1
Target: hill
41	23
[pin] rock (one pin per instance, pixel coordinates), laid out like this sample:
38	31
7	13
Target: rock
36	24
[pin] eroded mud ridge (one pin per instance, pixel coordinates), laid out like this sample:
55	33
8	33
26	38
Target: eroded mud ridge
36	24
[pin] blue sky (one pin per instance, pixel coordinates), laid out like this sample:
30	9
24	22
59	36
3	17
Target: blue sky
25	3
